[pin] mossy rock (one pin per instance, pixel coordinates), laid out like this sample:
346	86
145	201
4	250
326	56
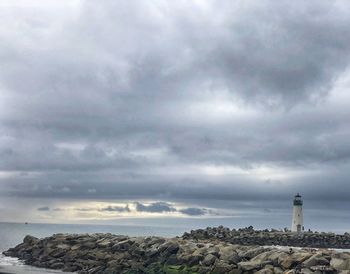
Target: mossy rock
180	269
158	268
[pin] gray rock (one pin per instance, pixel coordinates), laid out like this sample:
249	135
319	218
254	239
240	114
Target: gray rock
204	251
30	240
251	253
222	267
229	254
265	271
340	264
294	259
58	265
122	245
249	265
315	260
209	260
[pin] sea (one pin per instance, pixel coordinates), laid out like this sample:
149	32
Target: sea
11	234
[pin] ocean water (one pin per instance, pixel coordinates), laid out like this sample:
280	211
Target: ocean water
12	234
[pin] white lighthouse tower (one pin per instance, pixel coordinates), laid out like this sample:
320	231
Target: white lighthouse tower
298	219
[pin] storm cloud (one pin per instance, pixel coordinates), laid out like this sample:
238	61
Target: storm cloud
136	208
193	211
215	105
116	209
155	207
44	208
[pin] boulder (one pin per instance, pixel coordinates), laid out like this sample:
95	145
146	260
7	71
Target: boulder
209	260
265	271
104	243
208	253
122	245
222	267
265	256
170	247
229	254
251	253
30	240
57	253
249	265
277	270
315	260
294	259
307	271
194	260
340	264
57	265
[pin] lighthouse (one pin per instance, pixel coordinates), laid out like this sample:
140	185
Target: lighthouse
298	219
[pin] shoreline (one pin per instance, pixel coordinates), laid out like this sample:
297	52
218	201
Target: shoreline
199	251
26	269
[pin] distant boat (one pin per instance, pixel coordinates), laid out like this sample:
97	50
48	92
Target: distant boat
25	223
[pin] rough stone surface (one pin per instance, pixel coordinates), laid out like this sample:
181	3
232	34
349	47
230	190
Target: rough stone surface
249	236
201	252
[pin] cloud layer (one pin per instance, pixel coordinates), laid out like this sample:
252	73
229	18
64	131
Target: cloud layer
132	209
197	102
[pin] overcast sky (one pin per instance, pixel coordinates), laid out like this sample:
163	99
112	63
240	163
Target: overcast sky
173	108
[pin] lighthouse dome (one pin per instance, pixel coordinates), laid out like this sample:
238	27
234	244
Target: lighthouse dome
297	200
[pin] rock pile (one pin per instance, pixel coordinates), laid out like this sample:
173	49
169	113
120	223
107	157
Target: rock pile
107	254
249	236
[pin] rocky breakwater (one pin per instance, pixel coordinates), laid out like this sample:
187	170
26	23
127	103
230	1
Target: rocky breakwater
107	253
249	236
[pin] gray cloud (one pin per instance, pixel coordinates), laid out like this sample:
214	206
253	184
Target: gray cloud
44	208
105	209
155	207
161	207
116	209
193	211
199	103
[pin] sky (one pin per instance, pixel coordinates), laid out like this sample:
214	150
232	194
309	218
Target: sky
198	109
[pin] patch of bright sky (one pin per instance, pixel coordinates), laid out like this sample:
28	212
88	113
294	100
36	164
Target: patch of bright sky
156	153
73	147
15	174
53	4
96	210
219	106
340	93
36	17
261	172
